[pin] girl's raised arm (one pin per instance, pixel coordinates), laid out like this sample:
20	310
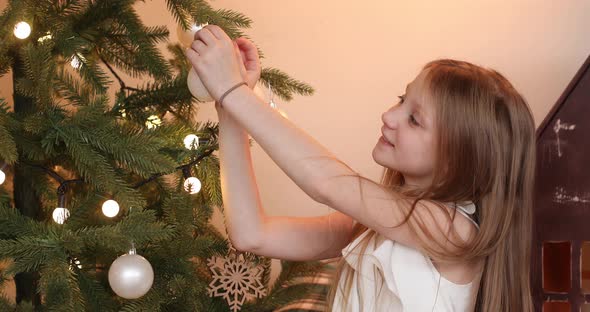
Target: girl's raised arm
248	227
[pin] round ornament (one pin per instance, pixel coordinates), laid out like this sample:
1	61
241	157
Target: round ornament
131	276
196	87
186	37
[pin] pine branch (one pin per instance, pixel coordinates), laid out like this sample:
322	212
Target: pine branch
8	152
60	287
284	86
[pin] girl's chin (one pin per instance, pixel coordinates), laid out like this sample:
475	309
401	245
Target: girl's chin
378	157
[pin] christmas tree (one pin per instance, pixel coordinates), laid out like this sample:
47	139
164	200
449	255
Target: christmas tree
106	200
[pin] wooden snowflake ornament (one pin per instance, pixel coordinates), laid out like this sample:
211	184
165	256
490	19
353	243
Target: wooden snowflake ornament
235	279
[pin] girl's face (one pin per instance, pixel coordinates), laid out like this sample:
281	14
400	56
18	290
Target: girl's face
407	143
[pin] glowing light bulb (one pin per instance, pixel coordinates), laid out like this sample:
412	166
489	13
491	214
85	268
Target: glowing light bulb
192	185
45	38
191	141
22	30
110	208
153	122
60	215
2	177
76	62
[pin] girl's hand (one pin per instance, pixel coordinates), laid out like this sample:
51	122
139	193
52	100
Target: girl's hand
213	55
249	60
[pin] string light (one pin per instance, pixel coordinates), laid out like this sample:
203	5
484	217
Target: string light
75	262
45	38
153	122
60	215
110	208
76	62
191	142
22	30
2	177
192	185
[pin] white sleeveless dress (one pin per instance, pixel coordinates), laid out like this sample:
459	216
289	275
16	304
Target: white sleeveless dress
410	281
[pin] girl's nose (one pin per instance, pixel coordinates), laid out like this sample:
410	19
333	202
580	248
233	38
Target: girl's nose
389	119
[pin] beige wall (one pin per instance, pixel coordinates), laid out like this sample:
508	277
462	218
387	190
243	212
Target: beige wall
359	55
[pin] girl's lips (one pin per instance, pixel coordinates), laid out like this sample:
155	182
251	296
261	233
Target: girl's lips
384	140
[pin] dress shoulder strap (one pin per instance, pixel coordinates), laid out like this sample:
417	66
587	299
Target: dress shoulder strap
468	209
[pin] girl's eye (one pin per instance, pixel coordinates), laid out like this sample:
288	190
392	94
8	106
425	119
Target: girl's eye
401	98
413	120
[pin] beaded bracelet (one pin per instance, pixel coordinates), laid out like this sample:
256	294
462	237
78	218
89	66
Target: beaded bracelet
228	91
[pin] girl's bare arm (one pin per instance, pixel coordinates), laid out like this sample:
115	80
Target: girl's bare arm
249	229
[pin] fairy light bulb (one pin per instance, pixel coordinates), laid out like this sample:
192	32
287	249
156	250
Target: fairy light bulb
192	185
45	38
191	142
110	208
153	122
2	177
60	215
22	30
76	62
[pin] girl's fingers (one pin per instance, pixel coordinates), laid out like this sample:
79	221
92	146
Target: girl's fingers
241	61
206	36
217	32
198	46
250	53
192	56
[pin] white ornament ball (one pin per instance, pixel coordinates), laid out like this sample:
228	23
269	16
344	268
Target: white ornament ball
22	30
60	215
192	185
131	276
2	177
196	87
191	141
110	208
186	37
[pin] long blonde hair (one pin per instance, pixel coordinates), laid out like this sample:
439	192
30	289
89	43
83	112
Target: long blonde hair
485	154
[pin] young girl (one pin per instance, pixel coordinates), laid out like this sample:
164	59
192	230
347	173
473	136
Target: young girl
449	226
